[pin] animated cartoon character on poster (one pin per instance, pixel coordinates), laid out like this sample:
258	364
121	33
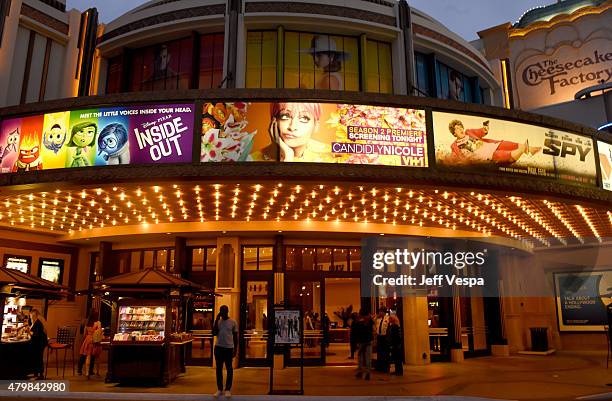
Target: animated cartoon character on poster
8	147
28	158
113	144
82	137
54	139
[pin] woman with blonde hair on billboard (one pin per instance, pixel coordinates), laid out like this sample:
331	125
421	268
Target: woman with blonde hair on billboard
471	146
292	128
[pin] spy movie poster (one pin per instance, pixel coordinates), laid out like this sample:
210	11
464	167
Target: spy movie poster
98	137
582	299
287	327
605	163
484	144
314	132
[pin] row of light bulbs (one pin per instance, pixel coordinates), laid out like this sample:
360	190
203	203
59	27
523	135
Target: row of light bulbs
90	208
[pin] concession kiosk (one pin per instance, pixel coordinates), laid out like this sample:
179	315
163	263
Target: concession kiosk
16	288
148	341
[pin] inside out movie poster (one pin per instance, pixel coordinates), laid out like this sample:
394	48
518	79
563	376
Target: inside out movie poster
313	132
481	143
97	137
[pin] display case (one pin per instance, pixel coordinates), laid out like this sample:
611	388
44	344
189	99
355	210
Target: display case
15	324
147	344
141	323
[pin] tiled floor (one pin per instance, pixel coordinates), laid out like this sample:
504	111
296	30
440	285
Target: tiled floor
562	376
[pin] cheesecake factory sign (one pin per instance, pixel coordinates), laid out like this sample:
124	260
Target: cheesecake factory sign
552	70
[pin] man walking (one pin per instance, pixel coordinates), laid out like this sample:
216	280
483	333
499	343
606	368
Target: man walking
226	331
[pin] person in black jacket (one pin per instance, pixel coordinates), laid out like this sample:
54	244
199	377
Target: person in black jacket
39	341
364	334
394	336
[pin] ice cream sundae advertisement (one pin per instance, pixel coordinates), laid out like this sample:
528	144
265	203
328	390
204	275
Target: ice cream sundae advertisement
484	144
314	132
98	137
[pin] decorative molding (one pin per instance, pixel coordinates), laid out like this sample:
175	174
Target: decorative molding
421	30
319	9
216	9
44	19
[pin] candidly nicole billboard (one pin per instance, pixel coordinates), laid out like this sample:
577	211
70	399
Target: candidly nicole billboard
605	163
98	137
479	144
313	132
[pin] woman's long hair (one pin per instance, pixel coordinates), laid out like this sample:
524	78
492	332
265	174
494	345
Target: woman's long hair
36	315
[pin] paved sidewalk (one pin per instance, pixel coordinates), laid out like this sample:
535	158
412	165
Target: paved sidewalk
561	377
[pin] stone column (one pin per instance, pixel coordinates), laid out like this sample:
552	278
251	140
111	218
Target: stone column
228	277
416	330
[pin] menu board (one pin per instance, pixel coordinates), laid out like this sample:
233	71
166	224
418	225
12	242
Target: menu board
582	299
605	163
98	137
480	143
16	262
314	132
51	269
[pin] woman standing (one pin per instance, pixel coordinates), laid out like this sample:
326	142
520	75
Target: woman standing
89	349
39	342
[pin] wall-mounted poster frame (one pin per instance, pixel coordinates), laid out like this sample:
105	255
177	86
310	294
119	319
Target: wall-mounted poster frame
581	300
21	263
51	269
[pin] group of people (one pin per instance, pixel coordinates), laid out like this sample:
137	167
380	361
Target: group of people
384	331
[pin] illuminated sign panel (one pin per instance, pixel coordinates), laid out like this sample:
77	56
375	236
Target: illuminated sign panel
98	137
551	66
483	144
605	163
314	132
51	269
582	298
17	262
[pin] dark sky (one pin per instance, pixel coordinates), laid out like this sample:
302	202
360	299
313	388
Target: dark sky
464	17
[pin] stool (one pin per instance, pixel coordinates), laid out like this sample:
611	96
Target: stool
64	340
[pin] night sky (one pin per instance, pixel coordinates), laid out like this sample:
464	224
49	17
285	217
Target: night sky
464	17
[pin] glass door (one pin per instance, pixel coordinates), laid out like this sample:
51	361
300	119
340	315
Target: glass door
199	324
308	294
256	305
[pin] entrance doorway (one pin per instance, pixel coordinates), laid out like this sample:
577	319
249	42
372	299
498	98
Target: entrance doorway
256	306
342	303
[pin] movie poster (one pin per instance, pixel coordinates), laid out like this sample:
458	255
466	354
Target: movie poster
287	327
605	163
314	132
582	299
484	144
10	132
98	137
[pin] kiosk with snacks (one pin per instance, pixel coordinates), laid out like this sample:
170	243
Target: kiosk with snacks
148	341
16	288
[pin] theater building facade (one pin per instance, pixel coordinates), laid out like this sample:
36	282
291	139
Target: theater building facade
252	146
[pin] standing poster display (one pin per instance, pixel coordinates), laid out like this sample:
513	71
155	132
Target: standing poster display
314	132
480	144
287	327
582	299
288	334
98	137
605	163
